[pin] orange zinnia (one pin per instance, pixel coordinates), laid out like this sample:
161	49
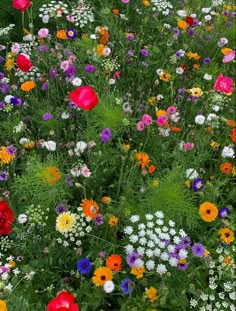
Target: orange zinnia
61	34
226	167
90	208
27	86
143	159
114	262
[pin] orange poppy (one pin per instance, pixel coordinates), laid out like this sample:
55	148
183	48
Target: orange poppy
226	167
115	11
90	208
104	38
176	129
152	169
114	262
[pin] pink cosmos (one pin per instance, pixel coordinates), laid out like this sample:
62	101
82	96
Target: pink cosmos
146	119
140	126
171	110
229	57
65	65
161	120
188	146
43	32
223	84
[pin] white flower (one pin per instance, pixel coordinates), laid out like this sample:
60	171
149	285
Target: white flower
45	19
159	71
207	18
151	244
207	77
182	13
80	147
161	269
129	249
200	119
171	223
228	152
183	253
133	238
173	262
50	145
134	218
216	108
171	248
8	98
172	231
141	250
159	222
193	303
16	271
182	233
24	141
191	173
4	276
128	230
150	265
9	287
150	224
149	216
159	214
206	10
142	233
75	171
141	226
176	240
22	218
111	81
232	295
212	117
108	286
139	263
157	252
143	241
179	70
76	81
164	256
65	115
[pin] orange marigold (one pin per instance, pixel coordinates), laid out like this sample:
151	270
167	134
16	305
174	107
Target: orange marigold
102	275
208	211
90	208
5	157
27	86
226	235
226	167
114	262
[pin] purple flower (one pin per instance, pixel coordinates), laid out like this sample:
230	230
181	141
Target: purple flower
131	258
11	150
15	101
179	53
53	73
89	68
4	176
105	135
130	53
42	48
223	212
144	52
1	75
2	59
206	60
182	266
2	105
47	116
69	181
181	91
197	184
84	266
71	71
176	32
198	250
4	88
208	37
44	86
185	241
60	208
195	23
98	220
191	31
71	33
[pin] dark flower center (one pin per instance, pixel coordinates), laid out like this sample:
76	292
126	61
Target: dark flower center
227	235
103	278
208	211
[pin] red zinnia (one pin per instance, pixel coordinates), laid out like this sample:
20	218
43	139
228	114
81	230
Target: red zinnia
63	302
6	218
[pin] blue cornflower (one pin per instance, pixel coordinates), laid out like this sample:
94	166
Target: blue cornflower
127	286
84	266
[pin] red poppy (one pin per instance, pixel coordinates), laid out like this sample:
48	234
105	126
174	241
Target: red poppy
63	302
23	62
6	218
21	5
189	21
84	97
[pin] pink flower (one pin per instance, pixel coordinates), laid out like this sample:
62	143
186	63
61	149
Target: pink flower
43	32
171	110
85	171
229	57
161	120
64	65
188	146
125	1
72	59
140	126
146	119
223	84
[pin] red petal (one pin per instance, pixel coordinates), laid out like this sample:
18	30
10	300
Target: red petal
84	97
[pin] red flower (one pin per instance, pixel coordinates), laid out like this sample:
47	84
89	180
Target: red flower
21	5
189	21
184	67
63	302
84	97
23	62
6	218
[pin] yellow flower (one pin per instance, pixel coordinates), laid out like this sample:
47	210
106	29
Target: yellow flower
11	264
3	305
225	50
65	222
151	293
165	76
5	157
100	48
125	147
195	56
196	91
188	183
207	253
113	221
146	3
155	183
61	34
9	64
138	271
160	113
233	171
214	145
152	100
102	275
226	235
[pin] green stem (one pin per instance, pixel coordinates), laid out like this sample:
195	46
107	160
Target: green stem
94	236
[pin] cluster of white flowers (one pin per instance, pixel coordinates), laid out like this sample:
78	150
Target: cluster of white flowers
110	64
78	228
7	270
221	294
36	215
81	15
32	74
162	6
155	240
54	9
5	31
217	2
19	127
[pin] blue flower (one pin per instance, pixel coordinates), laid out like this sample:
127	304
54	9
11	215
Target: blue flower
127	286
197	184
223	212
84	266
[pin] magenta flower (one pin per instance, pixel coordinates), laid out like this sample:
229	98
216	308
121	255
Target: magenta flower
146	119
223	84
140	126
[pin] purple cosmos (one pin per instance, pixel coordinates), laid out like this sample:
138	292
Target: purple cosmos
131	258
47	116
60	208
223	212
71	33
198	184
89	68
144	52
198	250
4	176
11	150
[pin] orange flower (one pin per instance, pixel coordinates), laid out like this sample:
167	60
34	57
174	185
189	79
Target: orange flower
146	3
105	38
138	271
29	145
208	28
233	135
5	157
115	11
99	49
27	86
196	66
226	235
176	129
165	76
106	200
208	211
143	159
61	34
113	221
160	113
90	208
226	167
231	123
195	56
114	262
182	24
152	169
51	175
225	50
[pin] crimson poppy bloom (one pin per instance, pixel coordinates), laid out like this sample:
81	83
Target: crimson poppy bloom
189	21
84	97
6	218
21	5
63	302
23	62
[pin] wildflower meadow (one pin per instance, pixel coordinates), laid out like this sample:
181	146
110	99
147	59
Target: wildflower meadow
117	159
